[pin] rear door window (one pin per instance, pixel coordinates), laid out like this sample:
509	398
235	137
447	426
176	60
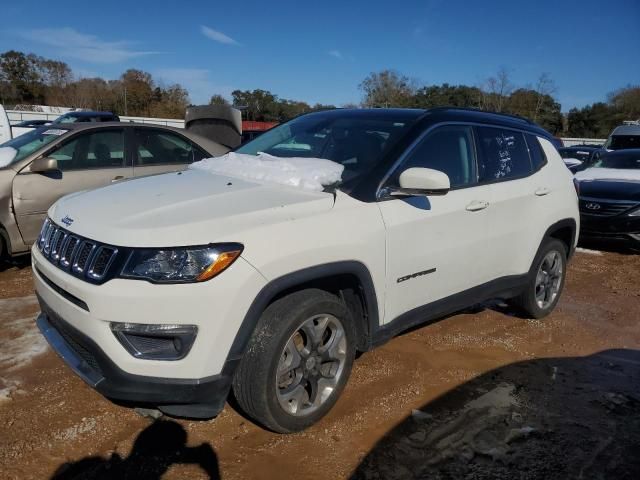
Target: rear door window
158	147
503	154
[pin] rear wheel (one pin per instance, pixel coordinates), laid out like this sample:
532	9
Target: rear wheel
297	362
545	282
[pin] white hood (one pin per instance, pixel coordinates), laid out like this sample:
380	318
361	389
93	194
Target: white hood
179	209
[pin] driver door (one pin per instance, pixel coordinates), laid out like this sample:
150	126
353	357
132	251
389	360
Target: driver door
436	245
86	161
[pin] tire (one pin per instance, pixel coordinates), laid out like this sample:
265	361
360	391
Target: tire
313	373
545	282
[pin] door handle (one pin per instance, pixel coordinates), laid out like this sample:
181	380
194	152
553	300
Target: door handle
116	179
542	191
477	205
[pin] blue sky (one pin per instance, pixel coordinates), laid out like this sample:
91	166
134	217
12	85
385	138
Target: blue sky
321	51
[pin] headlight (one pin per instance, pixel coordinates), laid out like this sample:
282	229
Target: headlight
635	213
181	265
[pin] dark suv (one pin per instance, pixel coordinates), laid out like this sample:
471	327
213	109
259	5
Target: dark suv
87	116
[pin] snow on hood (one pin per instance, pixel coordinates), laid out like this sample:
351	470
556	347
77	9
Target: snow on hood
609	174
305	173
7	154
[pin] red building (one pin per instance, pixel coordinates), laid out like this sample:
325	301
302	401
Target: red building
251	129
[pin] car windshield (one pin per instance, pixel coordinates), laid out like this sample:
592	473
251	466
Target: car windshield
354	140
619	160
620	142
29	142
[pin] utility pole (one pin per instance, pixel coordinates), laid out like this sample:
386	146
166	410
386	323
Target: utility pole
125	100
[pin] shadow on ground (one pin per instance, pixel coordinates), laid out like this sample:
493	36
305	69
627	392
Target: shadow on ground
557	418
157	447
23	261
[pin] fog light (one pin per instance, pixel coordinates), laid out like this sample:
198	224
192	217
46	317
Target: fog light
155	342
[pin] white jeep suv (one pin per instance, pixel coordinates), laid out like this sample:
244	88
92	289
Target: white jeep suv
169	291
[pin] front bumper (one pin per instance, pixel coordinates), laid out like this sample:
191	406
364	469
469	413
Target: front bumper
77	316
195	398
619	227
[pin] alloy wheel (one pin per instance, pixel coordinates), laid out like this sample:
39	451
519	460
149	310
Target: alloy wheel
549	279
311	365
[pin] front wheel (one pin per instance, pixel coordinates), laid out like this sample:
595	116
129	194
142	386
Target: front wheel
546	281
297	362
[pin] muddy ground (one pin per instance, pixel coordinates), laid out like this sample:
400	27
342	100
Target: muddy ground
476	395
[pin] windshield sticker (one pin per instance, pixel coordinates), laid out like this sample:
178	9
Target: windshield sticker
54	131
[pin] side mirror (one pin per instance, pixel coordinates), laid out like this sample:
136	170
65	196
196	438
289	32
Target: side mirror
420	181
44	164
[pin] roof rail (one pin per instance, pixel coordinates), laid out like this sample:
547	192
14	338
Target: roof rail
473	109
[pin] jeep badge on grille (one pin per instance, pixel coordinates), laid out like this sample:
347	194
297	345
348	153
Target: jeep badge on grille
67	220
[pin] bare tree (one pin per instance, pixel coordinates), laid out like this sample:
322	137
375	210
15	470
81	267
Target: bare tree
498	89
544	87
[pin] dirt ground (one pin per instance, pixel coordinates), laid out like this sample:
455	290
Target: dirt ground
476	395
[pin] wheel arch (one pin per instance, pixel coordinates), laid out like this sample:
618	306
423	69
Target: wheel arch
566	231
5	243
349	279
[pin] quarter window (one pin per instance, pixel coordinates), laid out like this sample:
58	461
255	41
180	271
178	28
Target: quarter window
538	158
448	149
503	154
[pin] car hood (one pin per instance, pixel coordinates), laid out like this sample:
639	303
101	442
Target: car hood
611	189
184	208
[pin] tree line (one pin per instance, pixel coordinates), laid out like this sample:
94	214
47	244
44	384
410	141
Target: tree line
389	88
31	79
264	106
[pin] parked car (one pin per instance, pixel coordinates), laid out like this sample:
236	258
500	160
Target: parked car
170	290
31	123
27	126
557	142
578	157
41	166
9	131
86	116
624	136
610	197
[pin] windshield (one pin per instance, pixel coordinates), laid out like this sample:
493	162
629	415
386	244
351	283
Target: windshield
29	142
618	160
620	142
582	155
354	140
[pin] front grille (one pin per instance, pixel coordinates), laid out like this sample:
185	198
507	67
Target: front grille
604	208
76	255
101	261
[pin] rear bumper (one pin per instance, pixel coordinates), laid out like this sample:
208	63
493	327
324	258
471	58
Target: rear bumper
194	398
